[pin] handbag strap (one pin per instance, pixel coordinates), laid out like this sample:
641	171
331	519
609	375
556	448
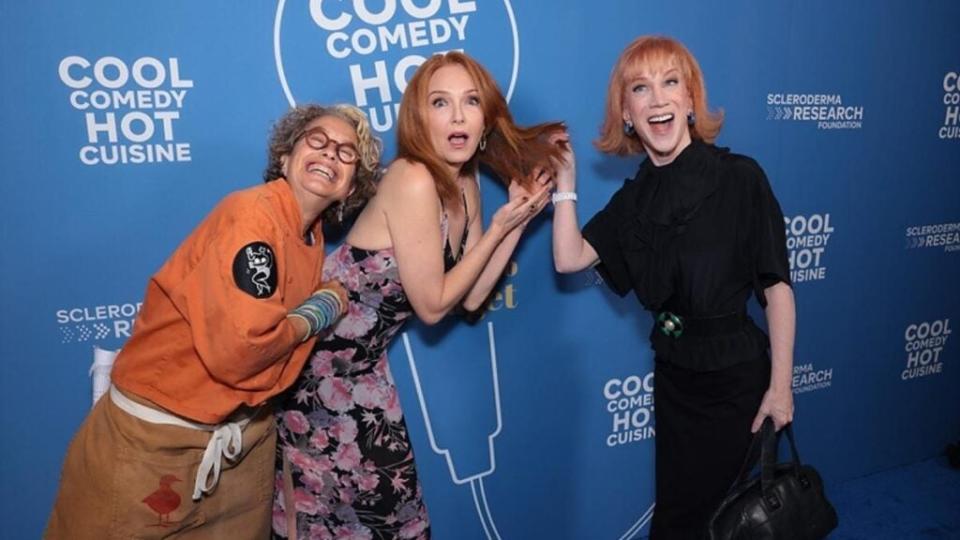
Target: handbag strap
768	441
788	429
768	453
749	458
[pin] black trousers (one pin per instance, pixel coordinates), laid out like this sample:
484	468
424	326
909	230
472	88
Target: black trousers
703	424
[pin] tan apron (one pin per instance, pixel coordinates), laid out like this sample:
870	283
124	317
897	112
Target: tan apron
164	477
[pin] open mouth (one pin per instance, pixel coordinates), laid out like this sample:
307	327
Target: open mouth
661	125
661	119
458	139
322	170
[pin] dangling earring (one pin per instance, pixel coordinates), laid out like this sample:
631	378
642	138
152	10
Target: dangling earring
340	206
483	142
628	128
691	118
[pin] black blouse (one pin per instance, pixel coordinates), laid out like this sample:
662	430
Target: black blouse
695	237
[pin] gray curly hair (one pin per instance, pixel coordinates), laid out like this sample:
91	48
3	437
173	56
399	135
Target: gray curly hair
290	127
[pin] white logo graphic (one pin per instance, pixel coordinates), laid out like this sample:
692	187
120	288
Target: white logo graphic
261	262
630	404
951	99
96	323
946	235
924	343
807	239
129	109
365	52
827	110
475	480
807	378
631	386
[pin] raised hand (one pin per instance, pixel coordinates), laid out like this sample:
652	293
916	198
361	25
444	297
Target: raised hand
523	205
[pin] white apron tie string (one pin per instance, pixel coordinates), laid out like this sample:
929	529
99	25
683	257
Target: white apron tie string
226	439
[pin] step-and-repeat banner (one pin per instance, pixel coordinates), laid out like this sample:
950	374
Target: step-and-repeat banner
124	123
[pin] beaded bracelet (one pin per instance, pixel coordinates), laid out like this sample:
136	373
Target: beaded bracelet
319	311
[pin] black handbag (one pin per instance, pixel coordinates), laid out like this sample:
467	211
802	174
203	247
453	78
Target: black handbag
784	502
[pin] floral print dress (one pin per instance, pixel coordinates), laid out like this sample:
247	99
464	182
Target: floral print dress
340	428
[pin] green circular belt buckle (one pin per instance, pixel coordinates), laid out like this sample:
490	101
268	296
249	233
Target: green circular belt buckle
670	324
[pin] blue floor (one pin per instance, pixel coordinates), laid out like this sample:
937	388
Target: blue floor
921	500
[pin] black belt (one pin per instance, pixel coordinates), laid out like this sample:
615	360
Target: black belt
674	325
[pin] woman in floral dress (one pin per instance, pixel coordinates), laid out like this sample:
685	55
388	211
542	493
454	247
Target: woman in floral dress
345	467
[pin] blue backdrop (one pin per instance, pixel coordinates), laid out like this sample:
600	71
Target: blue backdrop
124	122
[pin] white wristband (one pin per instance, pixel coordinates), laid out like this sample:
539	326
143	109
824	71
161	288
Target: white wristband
564	196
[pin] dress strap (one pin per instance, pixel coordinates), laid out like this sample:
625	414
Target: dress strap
466	222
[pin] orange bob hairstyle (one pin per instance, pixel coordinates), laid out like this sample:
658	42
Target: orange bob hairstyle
653	53
511	151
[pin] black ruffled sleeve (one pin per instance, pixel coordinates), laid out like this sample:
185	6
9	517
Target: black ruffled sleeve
603	234
768	240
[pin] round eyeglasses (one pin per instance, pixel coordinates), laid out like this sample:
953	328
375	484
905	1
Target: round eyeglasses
318	139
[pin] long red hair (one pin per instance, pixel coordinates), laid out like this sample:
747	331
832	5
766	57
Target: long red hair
511	151
646	52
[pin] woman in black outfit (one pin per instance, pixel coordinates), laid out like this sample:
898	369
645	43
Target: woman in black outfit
692	235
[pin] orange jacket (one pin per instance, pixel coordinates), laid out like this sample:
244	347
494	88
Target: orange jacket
212	334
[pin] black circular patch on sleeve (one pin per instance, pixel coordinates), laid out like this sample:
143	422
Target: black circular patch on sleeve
255	270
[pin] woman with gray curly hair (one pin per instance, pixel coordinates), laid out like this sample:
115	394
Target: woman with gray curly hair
296	123
184	444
